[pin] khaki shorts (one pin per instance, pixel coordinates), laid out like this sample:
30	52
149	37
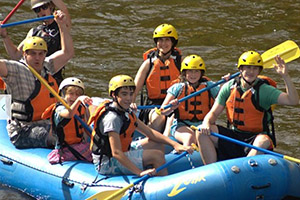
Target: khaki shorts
113	167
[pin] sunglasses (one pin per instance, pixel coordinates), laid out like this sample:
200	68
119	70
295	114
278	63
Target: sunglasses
38	9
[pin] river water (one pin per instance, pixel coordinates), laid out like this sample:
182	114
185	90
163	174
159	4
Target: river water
111	36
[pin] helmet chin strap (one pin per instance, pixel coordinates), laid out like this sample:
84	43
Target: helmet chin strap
249	83
123	109
167	52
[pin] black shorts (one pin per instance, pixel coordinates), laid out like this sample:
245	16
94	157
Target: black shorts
229	150
144	114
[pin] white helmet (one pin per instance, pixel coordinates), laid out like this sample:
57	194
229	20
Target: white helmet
71	81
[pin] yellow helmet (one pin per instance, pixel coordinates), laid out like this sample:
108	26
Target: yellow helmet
165	30
36	43
38	3
193	62
71	81
250	58
120	81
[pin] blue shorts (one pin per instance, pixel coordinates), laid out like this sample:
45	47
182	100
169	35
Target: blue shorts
113	167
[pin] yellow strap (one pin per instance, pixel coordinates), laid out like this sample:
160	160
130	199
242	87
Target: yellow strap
44	82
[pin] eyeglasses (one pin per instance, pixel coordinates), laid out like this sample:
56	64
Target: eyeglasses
38	9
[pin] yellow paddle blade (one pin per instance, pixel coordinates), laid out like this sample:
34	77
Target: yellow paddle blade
287	50
110	194
103	195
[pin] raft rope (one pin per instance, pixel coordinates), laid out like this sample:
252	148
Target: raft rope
190	161
66	180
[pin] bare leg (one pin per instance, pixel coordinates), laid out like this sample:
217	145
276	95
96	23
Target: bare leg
261	141
155	158
168	125
157	122
207	144
185	135
149	144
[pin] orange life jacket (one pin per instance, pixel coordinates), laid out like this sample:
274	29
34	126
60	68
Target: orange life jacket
69	131
32	109
99	142
161	73
244	111
195	108
2	84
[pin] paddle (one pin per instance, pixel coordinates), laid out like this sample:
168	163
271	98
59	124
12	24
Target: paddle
191	95
44	82
12	12
117	194
287	50
26	21
251	146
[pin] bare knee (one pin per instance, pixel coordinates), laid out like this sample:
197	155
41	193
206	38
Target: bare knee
262	141
153	157
157	122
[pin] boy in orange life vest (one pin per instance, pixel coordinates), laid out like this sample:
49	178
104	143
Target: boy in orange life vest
160	67
192	111
71	143
247	100
114	125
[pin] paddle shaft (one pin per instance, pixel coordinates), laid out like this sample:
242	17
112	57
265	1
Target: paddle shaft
12	12
255	147
251	146
26	21
44	82
119	192
193	94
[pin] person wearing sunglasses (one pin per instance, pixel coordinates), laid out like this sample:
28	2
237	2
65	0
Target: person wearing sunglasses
48	30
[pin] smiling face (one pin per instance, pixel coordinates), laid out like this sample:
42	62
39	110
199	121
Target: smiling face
249	72
193	75
124	97
35	58
164	44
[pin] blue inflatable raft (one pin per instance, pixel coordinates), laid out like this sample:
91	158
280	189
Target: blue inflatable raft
259	177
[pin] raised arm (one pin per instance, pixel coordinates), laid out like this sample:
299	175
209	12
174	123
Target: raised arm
62	6
12	50
290	97
61	57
